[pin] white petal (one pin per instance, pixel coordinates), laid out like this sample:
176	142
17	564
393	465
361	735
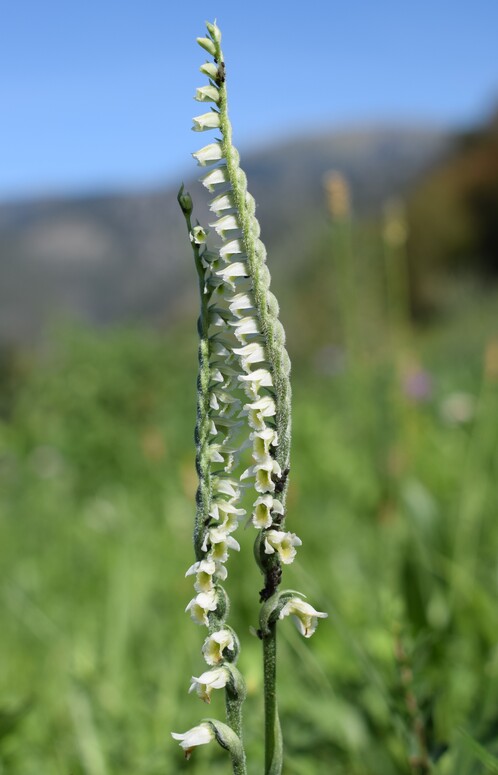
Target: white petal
232	248
222	202
305	616
207	93
198	235
209	120
250	353
283	543
215	177
209	69
215	644
209	154
211	679
200	735
245	327
225	486
240	301
226	223
206	566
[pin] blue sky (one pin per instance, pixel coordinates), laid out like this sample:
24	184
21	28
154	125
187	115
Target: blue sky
98	94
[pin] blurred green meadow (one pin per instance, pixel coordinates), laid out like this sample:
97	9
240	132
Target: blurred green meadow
393	492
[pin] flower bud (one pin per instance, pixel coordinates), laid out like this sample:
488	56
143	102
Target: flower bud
185	201
207	45
209	69
214	31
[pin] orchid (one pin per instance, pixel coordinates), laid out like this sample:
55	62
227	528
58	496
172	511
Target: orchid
243	402
211	679
199	735
215	644
305	616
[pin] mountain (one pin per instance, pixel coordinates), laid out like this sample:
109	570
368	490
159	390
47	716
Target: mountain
125	257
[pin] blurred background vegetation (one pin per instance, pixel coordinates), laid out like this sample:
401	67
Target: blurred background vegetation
383	246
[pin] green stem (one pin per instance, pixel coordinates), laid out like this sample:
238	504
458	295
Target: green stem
203	497
233	706
273	735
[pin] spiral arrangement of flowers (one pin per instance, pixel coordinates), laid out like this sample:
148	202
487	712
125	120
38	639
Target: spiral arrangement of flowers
243	401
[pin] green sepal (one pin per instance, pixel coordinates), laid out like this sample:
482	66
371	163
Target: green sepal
236	686
226	738
217	617
231	655
259	551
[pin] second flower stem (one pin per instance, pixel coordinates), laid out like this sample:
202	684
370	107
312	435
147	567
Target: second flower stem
273	735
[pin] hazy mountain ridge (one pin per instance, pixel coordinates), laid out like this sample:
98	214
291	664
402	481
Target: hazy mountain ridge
113	258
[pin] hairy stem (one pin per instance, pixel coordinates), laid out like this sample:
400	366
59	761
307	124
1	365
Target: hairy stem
279	367
203	496
273	735
233	706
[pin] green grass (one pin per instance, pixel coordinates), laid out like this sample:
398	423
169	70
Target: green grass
396	507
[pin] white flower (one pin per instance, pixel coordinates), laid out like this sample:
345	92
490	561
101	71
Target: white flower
263	471
222	396
200	606
241	301
214	453
215	644
263	507
262	440
219	550
256	379
209	120
209	154
250	353
231	249
258	410
200	735
207	94
222	202
206	566
198	235
226	223
305	616
215	177
245	327
225	486
211	679
227	370
205	570
231	271
283	543
221	509
209	69
264	475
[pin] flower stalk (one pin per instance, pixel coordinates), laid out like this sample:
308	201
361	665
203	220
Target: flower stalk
244	400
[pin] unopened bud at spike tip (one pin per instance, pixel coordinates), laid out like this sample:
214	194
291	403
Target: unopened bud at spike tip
214	31
185	201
